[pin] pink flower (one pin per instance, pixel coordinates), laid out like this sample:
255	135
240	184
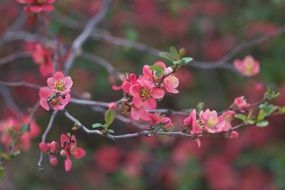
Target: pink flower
211	121
53	160
69	146
60	83
241	102
127	83
191	121
11	131
227	117
248	66
41	56
156	119
37	6
51	147
234	135
51	100
196	128
170	83
139	113
145	94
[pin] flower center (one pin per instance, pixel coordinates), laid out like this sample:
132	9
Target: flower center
212	122
55	101
124	108
145	93
59	85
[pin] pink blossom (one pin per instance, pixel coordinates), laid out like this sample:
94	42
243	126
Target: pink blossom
241	102
128	81
69	145
234	134
196	128
211	121
170	82
156	119
248	66
53	160
60	83
145	94
112	105
11	131
139	113
37	6
191	121
51	100
227	117
43	57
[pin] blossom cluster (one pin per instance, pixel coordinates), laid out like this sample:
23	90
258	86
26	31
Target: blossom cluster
57	94
42	56
67	147
144	91
17	134
37	6
211	122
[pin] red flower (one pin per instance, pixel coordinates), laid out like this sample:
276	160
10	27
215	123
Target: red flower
41	56
50	100
69	147
60	83
37	6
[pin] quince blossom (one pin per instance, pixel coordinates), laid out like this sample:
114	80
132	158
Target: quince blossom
37	6
42	56
60	83
145	94
56	96
69	147
212	122
52	100
248	66
11	131
169	81
241	102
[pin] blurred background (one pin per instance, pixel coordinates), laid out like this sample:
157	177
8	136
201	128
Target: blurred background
208	30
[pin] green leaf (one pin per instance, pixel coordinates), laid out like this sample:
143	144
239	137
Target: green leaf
174	52
250	121
25	128
111	131
158	71
282	109
241	117
109	117
200	106
261	115
97	125
186	60
262	123
167	56
1	172
271	94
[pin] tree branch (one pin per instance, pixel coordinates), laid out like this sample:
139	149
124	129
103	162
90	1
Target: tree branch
85	34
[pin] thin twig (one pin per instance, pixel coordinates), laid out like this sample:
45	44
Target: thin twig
101	61
13	57
11	104
19	84
44	136
85	34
